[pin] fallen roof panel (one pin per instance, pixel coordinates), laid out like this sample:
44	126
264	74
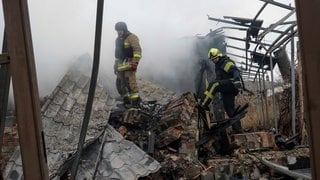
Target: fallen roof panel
62	114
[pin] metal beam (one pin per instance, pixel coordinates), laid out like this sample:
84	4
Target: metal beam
239	39
279	4
239	24
273	26
309	27
241	49
25	89
235	55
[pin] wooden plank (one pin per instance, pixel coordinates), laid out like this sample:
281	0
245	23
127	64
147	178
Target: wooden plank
308	28
25	89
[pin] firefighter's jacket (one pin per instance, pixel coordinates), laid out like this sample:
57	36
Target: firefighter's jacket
127	49
226	70
226	82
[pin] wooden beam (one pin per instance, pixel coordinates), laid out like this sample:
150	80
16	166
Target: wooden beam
25	89
308	28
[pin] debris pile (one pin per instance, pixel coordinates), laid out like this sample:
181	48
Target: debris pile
168	132
157	139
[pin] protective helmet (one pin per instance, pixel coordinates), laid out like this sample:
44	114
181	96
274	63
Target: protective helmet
213	53
121	26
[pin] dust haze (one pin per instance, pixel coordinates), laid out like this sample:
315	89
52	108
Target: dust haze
63	30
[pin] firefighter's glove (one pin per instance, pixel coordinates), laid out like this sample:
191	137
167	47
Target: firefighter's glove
128	67
237	84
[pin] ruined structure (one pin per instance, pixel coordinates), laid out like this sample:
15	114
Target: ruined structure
62	114
157	139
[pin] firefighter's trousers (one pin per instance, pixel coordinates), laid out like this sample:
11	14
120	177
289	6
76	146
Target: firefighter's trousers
126	83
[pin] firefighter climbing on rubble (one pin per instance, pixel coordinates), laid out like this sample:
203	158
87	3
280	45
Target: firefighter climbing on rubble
128	55
227	82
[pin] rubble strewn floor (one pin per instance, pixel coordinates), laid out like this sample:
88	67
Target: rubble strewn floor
155	140
176	132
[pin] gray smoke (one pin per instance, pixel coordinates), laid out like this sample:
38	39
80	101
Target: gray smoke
64	30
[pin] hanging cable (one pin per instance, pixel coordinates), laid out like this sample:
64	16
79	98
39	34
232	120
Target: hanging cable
93	82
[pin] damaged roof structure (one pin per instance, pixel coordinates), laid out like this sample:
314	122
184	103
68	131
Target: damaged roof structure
159	139
62	116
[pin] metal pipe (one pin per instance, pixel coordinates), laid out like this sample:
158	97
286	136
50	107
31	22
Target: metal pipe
284	41
273	26
260	115
247	35
239	39
293	89
228	53
265	97
241	49
260	11
262	102
273	96
279	4
238	24
92	88
273	46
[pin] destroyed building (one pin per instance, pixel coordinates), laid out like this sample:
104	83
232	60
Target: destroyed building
167	136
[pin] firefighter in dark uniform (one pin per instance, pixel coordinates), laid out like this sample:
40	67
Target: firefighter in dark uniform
128	55
227	83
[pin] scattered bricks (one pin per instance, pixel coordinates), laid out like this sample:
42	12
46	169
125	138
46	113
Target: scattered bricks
220	163
10	141
254	140
168	136
122	130
189	150
134	116
192	171
207	175
5	141
169	121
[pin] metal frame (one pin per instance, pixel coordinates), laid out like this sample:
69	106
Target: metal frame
307	13
283	38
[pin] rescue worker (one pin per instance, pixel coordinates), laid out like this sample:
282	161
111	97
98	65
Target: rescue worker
206	74
128	55
227	83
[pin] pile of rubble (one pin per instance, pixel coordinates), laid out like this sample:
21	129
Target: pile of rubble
157	139
170	132
167	132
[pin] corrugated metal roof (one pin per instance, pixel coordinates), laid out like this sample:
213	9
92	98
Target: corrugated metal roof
119	159
62	116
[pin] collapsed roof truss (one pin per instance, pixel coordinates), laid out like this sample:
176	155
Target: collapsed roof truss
252	27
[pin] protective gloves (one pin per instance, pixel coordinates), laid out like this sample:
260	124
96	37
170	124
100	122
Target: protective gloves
127	67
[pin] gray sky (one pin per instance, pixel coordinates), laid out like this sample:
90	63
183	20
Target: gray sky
63	30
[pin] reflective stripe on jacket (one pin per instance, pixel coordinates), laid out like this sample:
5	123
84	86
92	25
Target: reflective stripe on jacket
226	69
128	47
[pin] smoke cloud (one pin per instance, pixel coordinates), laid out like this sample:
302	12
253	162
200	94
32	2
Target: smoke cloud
64	30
